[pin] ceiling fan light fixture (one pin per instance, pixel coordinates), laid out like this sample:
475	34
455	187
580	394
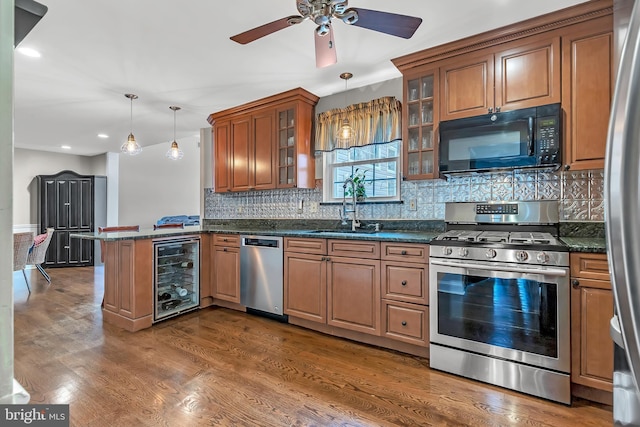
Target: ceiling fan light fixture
349	17
322	30
131	147
174	153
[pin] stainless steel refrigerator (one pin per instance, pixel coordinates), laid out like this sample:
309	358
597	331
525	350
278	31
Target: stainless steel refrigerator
622	196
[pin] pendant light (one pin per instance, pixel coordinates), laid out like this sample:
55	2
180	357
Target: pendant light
345	132
174	153
131	147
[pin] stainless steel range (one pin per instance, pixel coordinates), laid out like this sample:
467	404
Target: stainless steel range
499	292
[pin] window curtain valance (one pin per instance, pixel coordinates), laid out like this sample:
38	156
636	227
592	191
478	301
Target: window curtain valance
373	122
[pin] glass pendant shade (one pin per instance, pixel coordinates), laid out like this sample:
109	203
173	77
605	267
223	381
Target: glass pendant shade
174	153
131	147
345	134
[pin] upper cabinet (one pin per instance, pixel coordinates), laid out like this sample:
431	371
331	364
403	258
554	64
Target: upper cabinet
265	144
587	90
562	57
421	95
520	74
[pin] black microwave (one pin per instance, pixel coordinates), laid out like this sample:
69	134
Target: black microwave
530	137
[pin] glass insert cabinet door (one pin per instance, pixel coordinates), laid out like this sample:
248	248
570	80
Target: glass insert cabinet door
420	117
177	277
286	148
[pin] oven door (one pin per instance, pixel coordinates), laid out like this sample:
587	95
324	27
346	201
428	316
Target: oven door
509	311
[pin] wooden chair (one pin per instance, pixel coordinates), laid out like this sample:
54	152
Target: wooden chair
21	244
114	229
169	225
38	253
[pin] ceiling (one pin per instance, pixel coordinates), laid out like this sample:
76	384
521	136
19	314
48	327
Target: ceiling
178	53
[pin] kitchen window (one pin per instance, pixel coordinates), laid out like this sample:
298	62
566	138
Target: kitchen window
380	164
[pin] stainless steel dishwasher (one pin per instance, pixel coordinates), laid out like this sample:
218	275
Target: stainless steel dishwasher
261	275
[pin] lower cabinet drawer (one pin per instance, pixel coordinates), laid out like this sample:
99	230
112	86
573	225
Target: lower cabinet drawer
405	322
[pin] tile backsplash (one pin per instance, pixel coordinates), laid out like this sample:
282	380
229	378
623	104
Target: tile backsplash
581	195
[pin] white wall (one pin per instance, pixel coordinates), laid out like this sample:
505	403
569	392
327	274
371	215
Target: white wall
152	186
391	87
29	163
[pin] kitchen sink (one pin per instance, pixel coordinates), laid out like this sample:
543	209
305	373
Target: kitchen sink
345	231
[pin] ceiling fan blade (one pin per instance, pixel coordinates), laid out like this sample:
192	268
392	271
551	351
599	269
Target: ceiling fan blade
325	50
266	29
389	23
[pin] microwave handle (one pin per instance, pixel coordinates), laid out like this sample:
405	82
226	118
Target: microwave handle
530	138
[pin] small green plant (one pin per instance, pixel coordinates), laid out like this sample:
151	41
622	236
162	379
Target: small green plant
359	181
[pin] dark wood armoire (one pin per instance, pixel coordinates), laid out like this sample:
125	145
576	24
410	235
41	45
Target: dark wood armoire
66	201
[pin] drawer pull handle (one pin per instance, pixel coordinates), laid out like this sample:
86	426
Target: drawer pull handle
404	283
403	252
404	323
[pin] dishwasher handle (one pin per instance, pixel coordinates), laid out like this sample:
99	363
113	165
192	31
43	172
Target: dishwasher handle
265	243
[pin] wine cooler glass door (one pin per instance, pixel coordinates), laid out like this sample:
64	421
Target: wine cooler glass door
177	284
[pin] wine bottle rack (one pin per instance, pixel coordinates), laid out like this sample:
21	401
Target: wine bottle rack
177	278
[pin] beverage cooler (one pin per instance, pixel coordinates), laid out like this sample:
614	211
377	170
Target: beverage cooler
177	278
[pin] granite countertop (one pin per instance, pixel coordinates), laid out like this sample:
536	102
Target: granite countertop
585	244
594	243
142	234
409	236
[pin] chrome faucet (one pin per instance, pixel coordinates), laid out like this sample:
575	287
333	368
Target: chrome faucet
344	213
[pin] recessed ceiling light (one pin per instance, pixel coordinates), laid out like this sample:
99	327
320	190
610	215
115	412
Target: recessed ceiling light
103	135
65	147
27	51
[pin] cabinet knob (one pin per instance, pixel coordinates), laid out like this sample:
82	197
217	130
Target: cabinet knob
404	283
404	323
328	259
490	110
575	283
403	252
224	249
497	109
567	167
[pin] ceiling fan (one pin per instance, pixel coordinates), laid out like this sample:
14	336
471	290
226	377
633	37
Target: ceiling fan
321	12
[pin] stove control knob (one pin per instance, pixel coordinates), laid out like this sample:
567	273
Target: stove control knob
463	252
491	253
542	258
522	256
447	251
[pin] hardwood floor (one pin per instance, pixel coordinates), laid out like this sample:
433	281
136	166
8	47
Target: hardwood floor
221	367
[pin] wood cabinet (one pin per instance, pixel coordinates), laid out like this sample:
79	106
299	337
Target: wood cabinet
65	202
226	267
353	294
587	91
591	311
334	282
265	144
128	283
564	56
421	115
520	74
222	155
206	270
404	291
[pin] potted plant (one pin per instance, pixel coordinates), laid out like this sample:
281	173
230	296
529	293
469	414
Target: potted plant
358	183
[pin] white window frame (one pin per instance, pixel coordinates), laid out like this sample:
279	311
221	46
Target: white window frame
327	176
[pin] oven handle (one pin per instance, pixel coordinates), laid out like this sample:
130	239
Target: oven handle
525	270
